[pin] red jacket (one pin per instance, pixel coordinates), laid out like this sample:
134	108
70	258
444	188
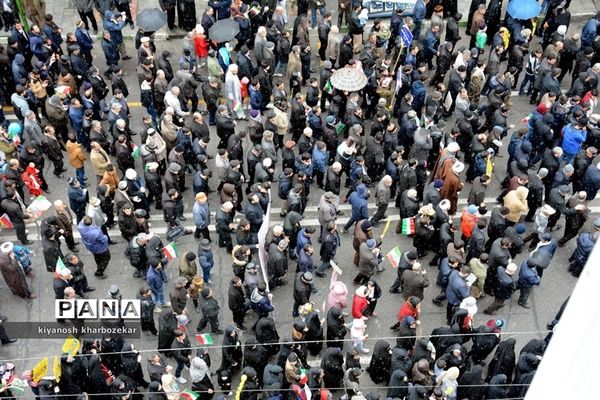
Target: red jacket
201	45
359	304
407	310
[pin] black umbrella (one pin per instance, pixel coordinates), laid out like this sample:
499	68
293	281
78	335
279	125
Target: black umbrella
151	19
224	30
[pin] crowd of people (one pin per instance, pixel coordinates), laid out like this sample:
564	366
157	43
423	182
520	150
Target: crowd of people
431	122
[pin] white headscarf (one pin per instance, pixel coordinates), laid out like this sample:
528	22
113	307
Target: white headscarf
198	369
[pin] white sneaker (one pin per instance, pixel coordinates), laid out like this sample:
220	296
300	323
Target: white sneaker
157	310
182	380
365	351
167	304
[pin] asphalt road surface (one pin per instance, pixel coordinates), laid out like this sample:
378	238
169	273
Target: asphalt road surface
524	324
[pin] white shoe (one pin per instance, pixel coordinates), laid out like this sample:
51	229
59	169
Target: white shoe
182	380
365	351
157	310
167	304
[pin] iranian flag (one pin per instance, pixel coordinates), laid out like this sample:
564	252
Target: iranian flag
526	119
189	395
394	256
60	265
204	338
170	251
16	139
5	222
408	226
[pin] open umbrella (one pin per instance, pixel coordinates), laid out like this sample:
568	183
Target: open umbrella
224	30
523	9
151	19
349	79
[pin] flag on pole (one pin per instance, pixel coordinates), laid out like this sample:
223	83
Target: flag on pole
188	394
170	251
394	256
60	265
71	346
204	338
408	226
263	256
39	206
5	222
56	369
39	370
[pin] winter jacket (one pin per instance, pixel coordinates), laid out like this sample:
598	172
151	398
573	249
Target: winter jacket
206	259
156	280
505	286
367	261
528	276
137	255
358	201
93	238
113	27
302	290
457	289
201	214
210	308
329	245
260	303
572	139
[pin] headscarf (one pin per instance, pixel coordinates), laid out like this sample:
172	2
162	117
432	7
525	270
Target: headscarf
198	369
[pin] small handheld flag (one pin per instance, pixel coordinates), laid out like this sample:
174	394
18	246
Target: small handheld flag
394	256
408	226
204	338
170	251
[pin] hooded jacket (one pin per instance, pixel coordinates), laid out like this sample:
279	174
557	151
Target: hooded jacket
358	201
260	303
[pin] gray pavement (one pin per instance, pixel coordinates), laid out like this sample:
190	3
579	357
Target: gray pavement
520	323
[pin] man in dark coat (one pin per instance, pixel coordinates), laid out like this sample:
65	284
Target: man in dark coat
551	161
277	266
302	290
476	243
497	225
237	302
535	196
13	273
13	207
329	246
504	288
499	256
582	161
591	181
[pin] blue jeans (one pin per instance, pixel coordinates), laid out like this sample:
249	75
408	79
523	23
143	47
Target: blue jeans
417	29
179	368
206	274
528	81
281	67
159	298
568	158
313	13
349	224
80	174
152	111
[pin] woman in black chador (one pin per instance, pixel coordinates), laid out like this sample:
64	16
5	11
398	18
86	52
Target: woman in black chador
379	368
187	14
